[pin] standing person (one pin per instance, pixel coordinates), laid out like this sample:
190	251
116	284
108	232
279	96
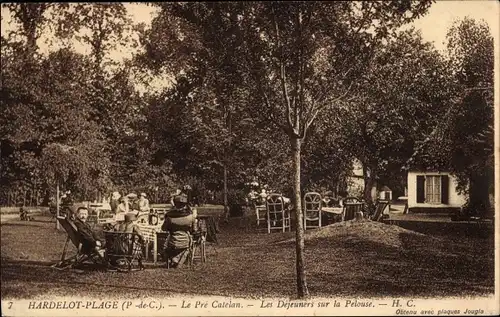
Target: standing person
176	193
66	204
143	203
123	209
114	202
67	199
188	191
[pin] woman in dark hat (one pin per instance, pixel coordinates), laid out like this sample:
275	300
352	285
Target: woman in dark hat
179	223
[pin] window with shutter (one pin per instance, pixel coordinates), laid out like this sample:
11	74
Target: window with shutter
445	189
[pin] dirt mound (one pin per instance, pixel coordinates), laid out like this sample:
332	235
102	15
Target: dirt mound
361	230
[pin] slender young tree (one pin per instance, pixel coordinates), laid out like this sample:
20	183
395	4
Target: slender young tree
298	58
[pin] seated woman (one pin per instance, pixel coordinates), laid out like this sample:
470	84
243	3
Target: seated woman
179	223
128	226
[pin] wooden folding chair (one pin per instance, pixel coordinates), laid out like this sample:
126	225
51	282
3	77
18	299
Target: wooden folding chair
351	209
278	218
126	247
312	210
80	257
379	210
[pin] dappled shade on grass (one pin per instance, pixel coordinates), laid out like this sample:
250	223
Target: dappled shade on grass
362	259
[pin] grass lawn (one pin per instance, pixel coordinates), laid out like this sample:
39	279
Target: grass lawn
364	259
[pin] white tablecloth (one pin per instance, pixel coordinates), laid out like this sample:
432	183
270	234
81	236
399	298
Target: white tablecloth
149	234
333	210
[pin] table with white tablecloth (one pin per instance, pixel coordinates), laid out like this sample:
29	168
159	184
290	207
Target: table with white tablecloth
333	210
333	214
149	234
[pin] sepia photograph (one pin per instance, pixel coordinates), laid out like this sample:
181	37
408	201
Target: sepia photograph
249	158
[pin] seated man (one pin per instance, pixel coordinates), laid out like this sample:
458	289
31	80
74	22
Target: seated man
179	223
91	240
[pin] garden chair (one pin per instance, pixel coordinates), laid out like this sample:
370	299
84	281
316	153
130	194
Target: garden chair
197	249
126	247
312	210
351	209
260	213
80	257
162	237
278	218
379	210
199	242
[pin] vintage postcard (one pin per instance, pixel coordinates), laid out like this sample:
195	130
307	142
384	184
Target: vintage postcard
305	158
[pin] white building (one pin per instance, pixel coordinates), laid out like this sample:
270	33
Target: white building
433	191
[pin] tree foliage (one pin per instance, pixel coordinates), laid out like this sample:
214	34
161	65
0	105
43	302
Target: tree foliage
296	59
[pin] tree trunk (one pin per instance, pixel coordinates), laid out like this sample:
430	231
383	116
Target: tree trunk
302	290
369	182
226	207
57	207
479	200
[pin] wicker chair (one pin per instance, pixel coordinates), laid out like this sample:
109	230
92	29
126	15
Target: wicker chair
278	217
126	247
312	210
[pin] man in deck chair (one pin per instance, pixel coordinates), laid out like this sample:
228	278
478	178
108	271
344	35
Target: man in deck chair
179	223
90	240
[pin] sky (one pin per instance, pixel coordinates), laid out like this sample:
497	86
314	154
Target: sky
433	25
441	15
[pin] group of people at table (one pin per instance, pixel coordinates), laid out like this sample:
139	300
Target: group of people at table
122	205
180	223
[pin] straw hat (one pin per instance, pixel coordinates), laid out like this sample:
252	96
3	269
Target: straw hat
143	195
